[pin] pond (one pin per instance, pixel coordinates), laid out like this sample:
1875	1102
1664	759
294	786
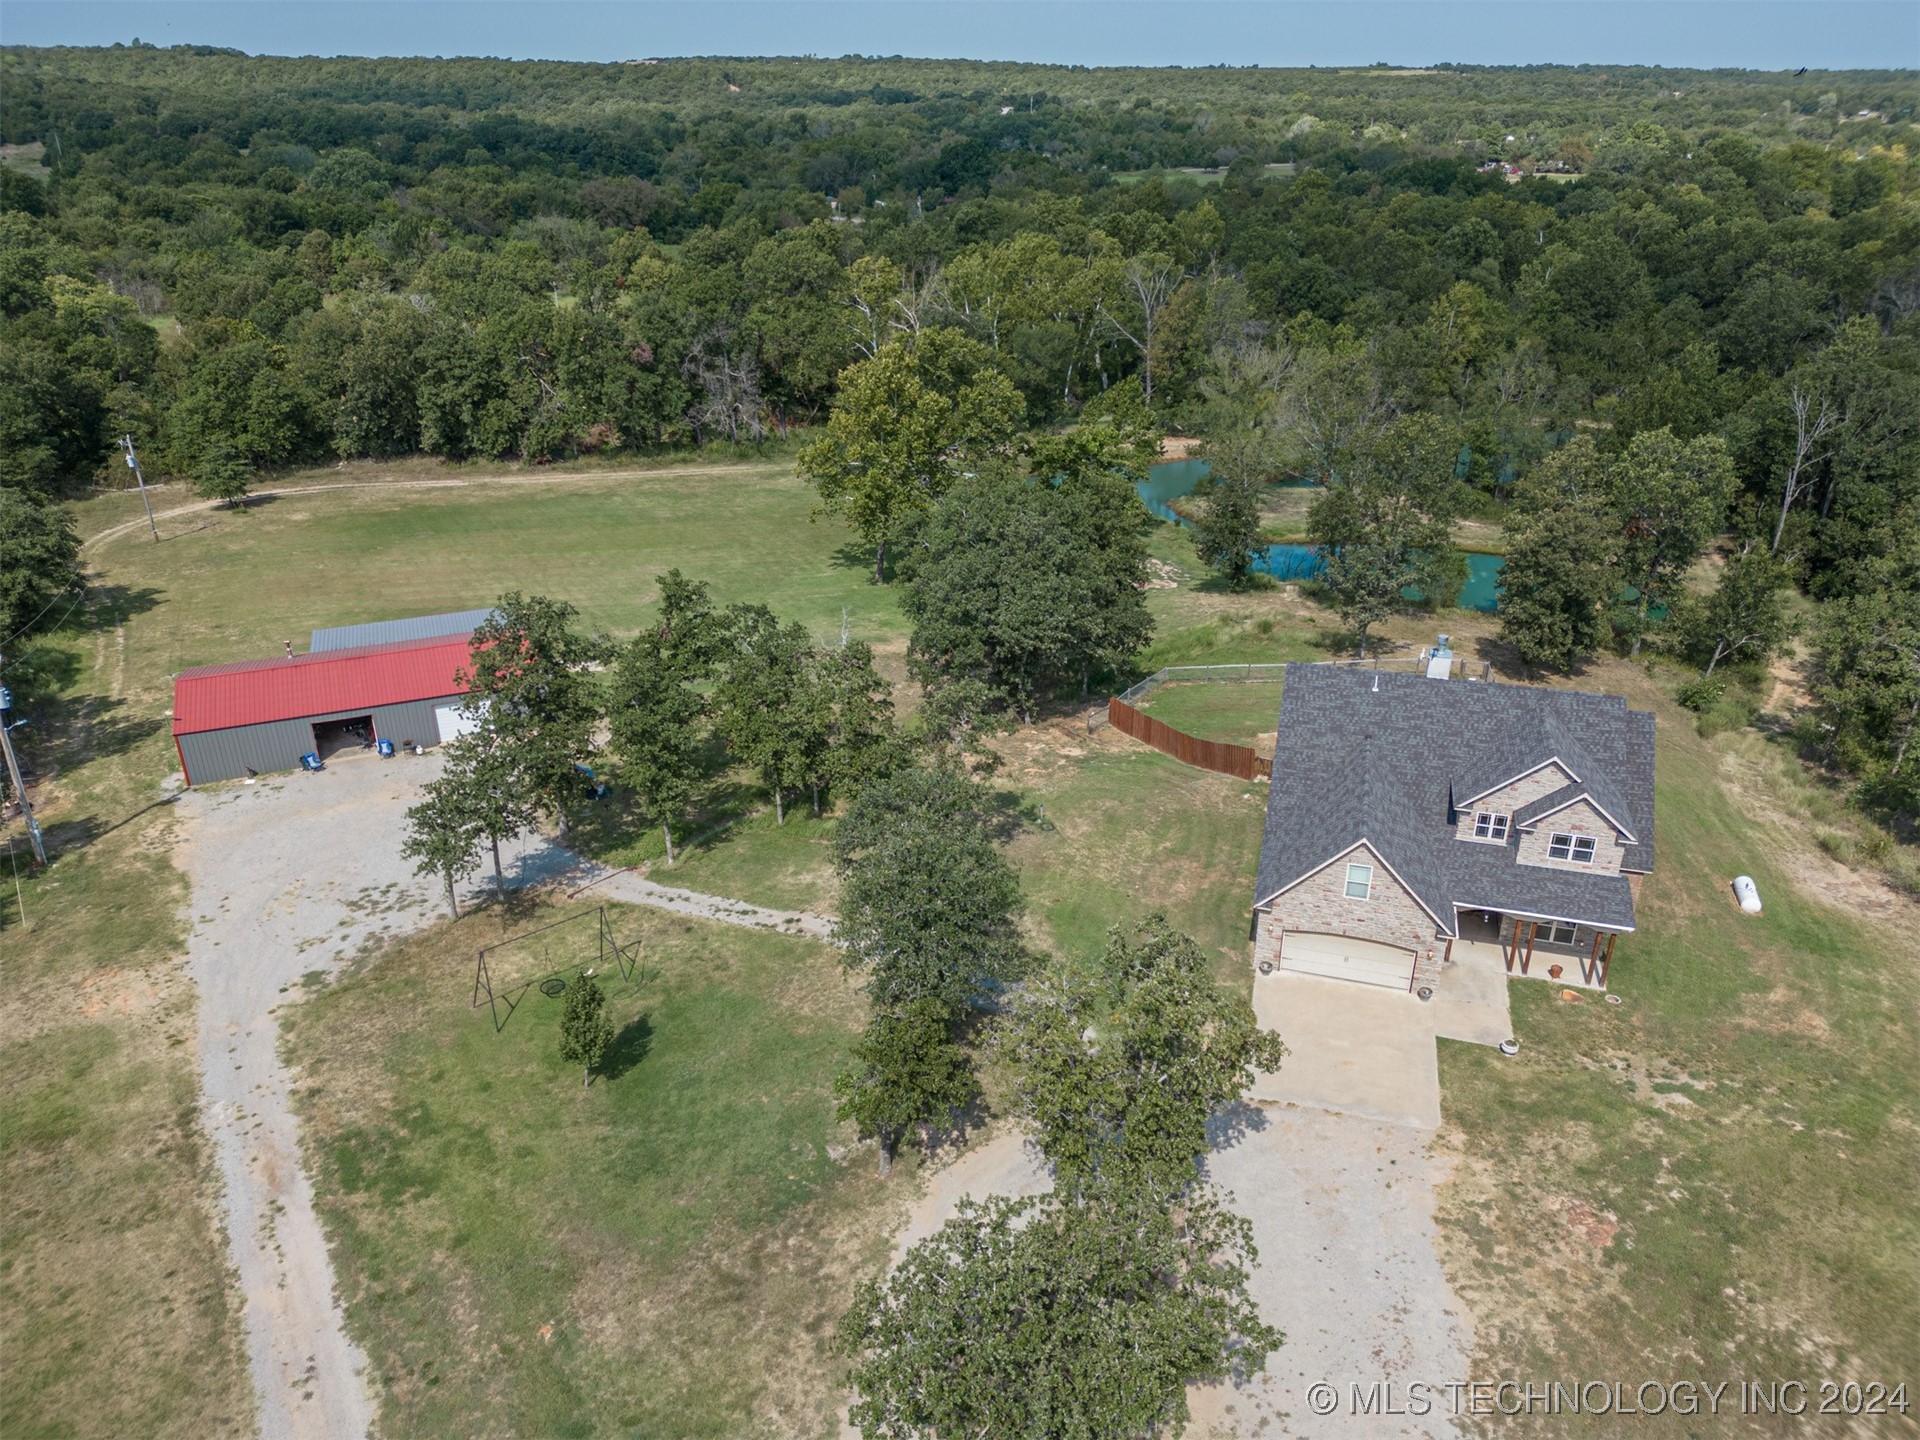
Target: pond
1167	482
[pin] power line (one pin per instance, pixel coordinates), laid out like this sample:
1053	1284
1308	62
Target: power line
81	587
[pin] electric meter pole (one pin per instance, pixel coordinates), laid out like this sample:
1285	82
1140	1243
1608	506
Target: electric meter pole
13	771
133	464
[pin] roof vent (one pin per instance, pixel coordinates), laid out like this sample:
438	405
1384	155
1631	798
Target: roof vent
1376	682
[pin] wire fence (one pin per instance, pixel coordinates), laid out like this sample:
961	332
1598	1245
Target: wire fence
1174	673
1251	674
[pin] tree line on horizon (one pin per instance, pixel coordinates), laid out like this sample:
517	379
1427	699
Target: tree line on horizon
244	273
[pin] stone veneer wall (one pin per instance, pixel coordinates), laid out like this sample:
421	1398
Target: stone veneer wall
1579	818
1319	904
1510	798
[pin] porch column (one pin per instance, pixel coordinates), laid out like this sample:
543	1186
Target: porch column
1533	930
1607	963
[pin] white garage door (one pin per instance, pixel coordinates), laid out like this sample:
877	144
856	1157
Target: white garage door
1339	958
454	722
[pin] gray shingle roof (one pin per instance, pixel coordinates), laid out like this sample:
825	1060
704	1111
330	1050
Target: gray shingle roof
1363	755
388	632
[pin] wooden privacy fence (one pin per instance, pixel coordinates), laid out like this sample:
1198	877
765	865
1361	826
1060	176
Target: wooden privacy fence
1236	760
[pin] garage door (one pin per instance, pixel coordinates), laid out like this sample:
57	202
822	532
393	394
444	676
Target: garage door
454	722
1339	958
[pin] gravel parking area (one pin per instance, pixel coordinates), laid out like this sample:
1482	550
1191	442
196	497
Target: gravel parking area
291	877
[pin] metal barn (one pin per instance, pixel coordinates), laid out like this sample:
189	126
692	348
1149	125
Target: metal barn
389	632
265	714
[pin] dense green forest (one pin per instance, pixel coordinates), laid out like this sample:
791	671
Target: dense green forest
248	263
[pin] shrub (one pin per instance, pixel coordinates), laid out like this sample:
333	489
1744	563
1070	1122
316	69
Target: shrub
1701	693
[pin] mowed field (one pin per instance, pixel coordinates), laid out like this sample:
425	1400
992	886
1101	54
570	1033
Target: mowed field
665	1253
1706	1176
1713	1178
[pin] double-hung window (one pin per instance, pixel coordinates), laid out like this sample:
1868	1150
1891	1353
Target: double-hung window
1575	848
1359	881
1489	826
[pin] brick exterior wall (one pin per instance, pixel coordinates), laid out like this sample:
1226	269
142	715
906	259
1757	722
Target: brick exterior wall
1579	818
1320	904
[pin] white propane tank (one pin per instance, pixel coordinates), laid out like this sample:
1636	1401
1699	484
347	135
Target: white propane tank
1747	893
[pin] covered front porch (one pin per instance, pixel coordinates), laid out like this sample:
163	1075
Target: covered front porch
1567	952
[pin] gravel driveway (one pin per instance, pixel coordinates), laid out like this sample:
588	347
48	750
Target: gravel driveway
1342	1215
290	878
1342	1212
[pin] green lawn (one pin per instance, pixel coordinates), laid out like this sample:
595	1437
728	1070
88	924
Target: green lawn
663	1254
116	1313
733	846
1123	831
1242	713
237	583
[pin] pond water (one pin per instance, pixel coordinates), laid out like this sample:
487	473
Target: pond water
1167	482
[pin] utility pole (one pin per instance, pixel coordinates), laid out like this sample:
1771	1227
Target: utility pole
13	772
133	464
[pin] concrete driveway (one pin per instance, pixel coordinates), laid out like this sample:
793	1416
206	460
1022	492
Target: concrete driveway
1369	1051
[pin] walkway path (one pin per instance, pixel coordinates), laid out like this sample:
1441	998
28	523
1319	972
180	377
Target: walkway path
633	888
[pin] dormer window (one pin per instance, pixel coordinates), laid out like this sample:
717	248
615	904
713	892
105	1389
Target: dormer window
1359	881
1576	849
1490	826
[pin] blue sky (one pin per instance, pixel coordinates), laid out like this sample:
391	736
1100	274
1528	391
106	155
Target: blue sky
1754	34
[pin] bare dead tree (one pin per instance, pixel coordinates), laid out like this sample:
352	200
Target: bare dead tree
1148	283
726	381
1810	428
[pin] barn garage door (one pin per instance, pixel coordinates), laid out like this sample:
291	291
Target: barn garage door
1338	958
453	722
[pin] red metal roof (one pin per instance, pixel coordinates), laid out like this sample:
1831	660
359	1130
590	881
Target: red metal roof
255	692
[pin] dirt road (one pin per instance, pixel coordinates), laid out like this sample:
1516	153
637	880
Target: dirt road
445	482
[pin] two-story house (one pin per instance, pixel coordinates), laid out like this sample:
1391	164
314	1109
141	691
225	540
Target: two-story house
1406	813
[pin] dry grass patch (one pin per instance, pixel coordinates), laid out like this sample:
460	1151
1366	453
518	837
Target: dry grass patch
1745	1120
